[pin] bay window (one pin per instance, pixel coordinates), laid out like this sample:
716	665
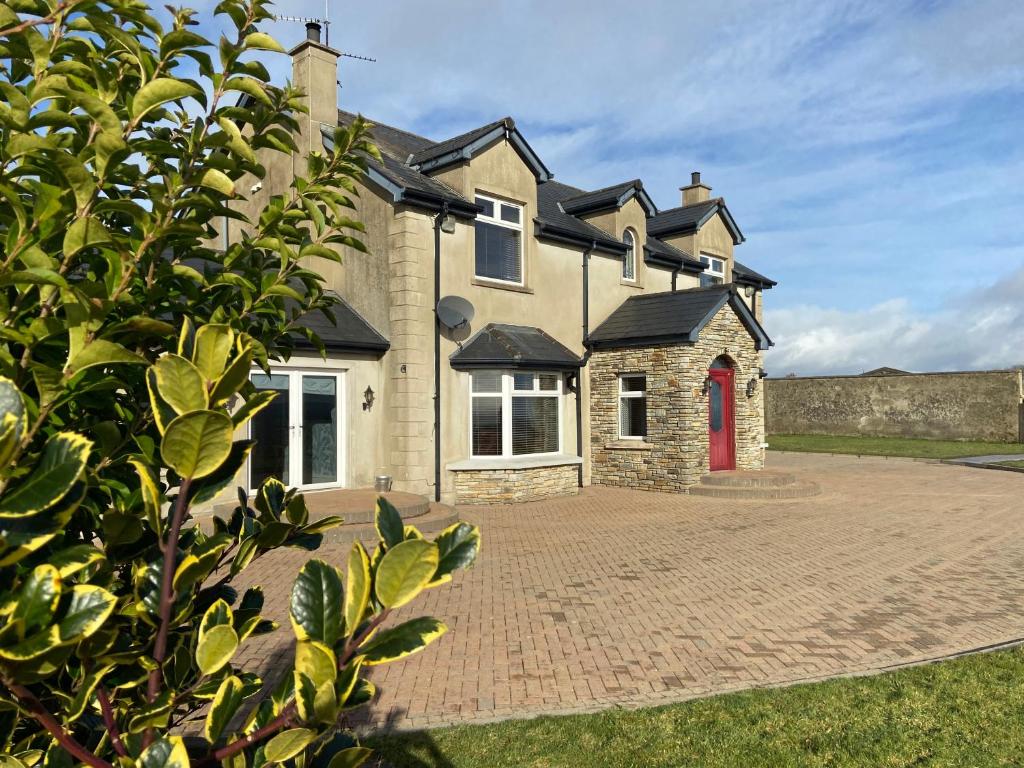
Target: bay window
515	414
499	241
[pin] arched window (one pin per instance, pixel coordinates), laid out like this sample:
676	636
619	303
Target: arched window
629	262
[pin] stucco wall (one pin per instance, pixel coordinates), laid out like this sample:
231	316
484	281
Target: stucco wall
675	454
973	405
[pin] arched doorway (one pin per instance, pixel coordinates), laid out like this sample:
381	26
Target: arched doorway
721	414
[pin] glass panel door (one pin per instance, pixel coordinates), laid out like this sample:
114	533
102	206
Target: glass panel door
319	429
271	429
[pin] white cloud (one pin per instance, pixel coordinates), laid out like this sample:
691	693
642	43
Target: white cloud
976	330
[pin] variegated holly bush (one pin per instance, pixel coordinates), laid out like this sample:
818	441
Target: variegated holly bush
127	333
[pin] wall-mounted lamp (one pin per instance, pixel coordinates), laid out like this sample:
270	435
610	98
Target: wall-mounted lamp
707	386
572	382
751	387
368	399
448	224
762	373
749	290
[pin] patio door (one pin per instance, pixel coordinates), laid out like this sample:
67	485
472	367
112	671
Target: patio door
299	436
721	438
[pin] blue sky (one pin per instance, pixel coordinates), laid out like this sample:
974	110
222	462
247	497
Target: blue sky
871	152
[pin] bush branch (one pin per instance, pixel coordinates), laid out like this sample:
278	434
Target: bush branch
49	722
110	722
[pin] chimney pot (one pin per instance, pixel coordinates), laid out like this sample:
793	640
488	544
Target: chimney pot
312	31
695	177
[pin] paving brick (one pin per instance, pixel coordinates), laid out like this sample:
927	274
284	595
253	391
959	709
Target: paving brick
624	597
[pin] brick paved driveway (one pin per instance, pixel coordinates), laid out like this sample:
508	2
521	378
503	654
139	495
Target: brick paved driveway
625	597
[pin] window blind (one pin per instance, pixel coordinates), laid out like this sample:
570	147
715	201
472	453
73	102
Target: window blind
498	253
534	425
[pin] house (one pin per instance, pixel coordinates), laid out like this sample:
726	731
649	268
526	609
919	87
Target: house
511	337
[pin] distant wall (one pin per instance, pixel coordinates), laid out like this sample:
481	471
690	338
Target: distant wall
969	405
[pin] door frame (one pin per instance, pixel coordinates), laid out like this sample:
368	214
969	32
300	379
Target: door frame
295	426
726	377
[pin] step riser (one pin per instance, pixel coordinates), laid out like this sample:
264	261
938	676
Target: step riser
367	516
759	480
367	533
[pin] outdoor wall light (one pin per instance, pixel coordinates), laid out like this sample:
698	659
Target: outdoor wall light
749	290
762	373
572	382
448	224
367	399
707	386
751	387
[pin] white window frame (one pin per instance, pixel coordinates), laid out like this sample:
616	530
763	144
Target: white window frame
295	426
500	222
629	260
708	260
506	394
631	395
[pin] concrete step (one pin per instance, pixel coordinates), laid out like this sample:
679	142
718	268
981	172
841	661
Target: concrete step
799	489
436	519
740	478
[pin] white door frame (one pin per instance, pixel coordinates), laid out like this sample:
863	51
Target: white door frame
295	426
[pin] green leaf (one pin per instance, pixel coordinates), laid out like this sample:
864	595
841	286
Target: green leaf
38	599
168	752
224	706
316	603
234	376
217	615
216	648
212	347
353	757
217	180
102	352
84	232
225	475
163	413
152	500
196	444
287	744
33	646
87	611
404	571
262	41
457	546
180	384
389	523
401	641
70	560
64	460
316	661
357	588
160	91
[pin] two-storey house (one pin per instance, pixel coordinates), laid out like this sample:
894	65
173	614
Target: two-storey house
510	337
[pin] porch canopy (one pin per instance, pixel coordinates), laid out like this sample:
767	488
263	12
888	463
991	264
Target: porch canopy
498	345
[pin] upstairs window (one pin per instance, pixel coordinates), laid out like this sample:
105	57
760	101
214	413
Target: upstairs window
632	407
499	241
515	414
629	262
714	270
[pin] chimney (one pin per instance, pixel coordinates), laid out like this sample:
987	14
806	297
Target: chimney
315	72
696	192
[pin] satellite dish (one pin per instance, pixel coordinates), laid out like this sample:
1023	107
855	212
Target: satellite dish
454	312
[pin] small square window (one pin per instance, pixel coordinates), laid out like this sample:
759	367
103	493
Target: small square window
548	382
486	381
522	381
487	205
510	213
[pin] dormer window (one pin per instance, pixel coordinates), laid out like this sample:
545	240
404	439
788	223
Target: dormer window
629	261
714	270
499	241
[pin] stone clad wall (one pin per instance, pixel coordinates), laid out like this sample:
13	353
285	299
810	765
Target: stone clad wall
675	454
505	486
972	405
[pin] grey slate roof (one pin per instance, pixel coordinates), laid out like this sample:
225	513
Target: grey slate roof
608	198
513	346
672	317
690	218
662	251
458	142
352	333
551	219
744	274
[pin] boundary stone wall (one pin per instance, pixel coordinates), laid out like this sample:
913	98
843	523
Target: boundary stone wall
961	405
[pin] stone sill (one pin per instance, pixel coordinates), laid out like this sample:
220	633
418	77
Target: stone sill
483	282
629	445
527	462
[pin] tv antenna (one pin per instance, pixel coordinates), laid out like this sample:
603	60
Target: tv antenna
325	22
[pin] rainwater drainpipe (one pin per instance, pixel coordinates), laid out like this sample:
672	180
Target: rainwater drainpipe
437	350
586	356
675	275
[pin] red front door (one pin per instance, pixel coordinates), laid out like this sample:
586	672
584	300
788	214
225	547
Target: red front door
720	419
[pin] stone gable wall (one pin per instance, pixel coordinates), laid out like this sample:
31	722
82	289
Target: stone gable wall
675	454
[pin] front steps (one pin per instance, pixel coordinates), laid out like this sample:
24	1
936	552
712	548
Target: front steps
764	484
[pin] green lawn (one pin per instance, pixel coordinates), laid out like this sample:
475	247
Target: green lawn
1015	464
889	446
965	712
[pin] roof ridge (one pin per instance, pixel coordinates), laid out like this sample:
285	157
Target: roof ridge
715	200
630	183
